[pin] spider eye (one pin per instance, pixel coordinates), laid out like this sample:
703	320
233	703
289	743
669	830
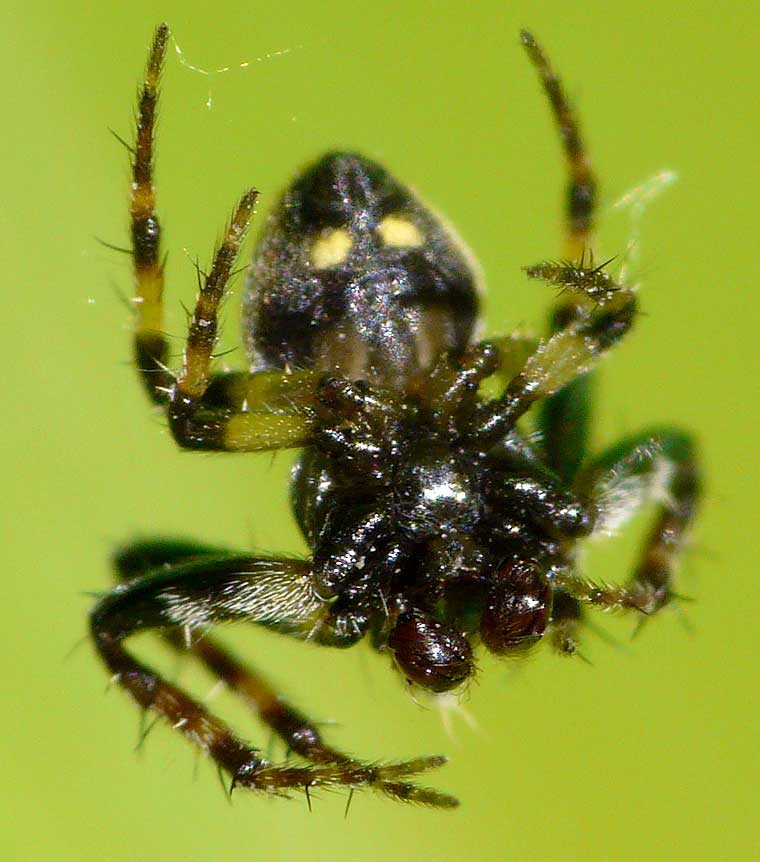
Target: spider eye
330	248
399	232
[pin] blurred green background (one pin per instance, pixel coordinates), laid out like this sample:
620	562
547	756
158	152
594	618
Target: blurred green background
649	753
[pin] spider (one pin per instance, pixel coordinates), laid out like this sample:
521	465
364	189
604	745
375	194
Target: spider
435	523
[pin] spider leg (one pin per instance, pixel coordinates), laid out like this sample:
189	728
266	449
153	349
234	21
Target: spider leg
196	424
287	421
565	416
238	411
173	585
193	379
570	352
581	186
656	466
151	348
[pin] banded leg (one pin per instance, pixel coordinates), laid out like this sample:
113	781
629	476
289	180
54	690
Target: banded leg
215	425
192	586
584	326
268	410
264	410
565	416
660	466
236	411
151	348
581	186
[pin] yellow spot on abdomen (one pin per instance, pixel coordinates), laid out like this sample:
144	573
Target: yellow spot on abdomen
399	232
330	248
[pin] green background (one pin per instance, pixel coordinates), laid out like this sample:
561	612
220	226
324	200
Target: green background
649	753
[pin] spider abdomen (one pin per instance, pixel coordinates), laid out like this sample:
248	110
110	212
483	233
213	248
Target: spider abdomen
354	275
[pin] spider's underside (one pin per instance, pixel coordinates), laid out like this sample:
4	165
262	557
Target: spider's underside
434	522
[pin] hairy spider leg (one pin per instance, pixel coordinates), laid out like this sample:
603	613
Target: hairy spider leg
658	465
193	380
581	187
298	733
151	347
173	585
565	417
250	422
570	352
565	414
272	413
631	472
582	330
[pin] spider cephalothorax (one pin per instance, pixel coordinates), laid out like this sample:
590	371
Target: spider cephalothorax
435	522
